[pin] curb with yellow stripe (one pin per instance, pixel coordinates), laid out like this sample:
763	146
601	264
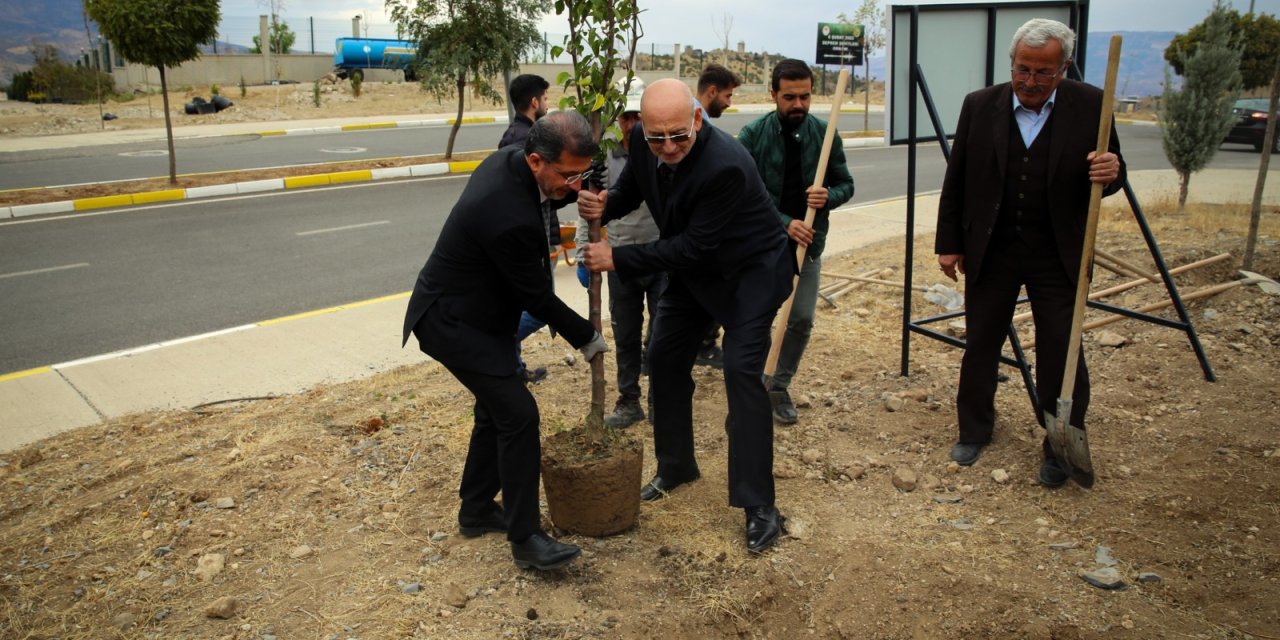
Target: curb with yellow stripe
276	184
236	188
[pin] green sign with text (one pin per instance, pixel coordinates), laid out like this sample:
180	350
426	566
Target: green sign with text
839	43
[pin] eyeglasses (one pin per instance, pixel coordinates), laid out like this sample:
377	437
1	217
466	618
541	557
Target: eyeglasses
675	138
1022	75
577	177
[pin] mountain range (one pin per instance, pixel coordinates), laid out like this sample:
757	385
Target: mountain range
62	24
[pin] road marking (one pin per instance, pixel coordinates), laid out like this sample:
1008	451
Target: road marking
149	153
346	228
344	150
125	353
319	312
25	374
39	271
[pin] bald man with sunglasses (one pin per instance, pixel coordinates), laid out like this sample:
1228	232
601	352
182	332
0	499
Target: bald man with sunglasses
727	259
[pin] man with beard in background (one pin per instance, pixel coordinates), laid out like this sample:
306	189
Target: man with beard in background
787	147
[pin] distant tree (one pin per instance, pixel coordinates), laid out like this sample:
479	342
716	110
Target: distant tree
21	86
55	80
1197	117
157	33
463	42
875	35
279	37
1259	33
722	34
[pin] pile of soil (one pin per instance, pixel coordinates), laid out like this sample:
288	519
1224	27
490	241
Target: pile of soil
331	513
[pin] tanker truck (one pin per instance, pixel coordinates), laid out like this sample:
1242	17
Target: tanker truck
351	56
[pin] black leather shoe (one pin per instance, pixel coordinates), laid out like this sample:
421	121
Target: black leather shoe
710	356
764	525
1052	475
491	522
966	453
658	488
784	411
534	376
542	552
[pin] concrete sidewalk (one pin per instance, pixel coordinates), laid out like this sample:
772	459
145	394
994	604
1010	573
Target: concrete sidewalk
288	355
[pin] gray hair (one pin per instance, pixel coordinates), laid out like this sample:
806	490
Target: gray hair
558	132
1037	32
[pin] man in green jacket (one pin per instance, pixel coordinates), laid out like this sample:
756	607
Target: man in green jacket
786	145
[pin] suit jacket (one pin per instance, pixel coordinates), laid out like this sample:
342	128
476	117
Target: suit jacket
489	263
719	233
516	132
974	183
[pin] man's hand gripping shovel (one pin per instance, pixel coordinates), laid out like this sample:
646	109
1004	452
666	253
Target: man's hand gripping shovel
1070	444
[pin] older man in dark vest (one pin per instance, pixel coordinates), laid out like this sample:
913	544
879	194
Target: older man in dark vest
1012	214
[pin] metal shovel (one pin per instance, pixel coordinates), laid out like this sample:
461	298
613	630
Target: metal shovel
1070	444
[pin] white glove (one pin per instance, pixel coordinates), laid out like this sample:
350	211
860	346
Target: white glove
593	348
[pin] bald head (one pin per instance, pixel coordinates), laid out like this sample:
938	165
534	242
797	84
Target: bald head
667	111
665	98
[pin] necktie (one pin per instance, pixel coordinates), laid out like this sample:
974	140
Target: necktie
666	176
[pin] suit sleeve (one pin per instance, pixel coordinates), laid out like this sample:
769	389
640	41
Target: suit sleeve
950	235
717	200
515	253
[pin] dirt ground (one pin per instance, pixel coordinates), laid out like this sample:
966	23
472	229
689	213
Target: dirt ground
331	513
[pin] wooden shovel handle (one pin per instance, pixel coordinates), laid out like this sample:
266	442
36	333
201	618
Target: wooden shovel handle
1091	228
779	329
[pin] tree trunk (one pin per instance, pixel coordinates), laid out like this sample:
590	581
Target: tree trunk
168	128
1184	180
595	419
1268	143
457	121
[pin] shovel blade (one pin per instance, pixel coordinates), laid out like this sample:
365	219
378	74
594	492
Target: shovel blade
1080	463
1057	429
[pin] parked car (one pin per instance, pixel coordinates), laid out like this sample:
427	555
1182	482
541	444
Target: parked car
1251	123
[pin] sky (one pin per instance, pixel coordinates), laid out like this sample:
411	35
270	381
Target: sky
789	28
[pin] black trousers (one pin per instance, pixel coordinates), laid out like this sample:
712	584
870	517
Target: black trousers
627	301
990	297
678	331
505	453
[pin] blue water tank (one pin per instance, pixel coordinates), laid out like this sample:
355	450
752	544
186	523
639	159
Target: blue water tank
373	53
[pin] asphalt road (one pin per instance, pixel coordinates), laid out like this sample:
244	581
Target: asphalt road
60	167
80	285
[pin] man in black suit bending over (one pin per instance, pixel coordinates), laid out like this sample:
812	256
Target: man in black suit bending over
489	263
727	259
